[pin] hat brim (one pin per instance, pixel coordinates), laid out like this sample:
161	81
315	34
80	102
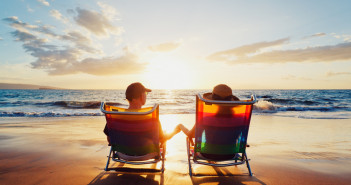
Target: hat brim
207	96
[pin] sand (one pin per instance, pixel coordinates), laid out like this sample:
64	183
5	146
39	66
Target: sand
73	150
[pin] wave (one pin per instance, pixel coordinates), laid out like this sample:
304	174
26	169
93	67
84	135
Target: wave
292	101
264	106
72	104
76	104
269	107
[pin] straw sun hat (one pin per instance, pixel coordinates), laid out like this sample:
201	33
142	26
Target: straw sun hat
221	92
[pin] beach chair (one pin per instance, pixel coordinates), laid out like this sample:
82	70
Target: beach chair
221	131
134	137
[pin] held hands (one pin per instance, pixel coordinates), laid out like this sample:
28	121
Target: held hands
178	128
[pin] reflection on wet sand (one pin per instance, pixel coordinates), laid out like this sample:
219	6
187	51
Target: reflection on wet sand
73	151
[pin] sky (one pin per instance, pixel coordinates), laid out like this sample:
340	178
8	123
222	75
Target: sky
176	44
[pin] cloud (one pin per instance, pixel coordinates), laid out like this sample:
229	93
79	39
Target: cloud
339	52
29	9
82	42
29	35
108	11
44	2
96	22
331	74
64	62
344	37
126	64
165	47
56	14
318	35
27	28
331	53
293	77
17	24
23	36
69	53
242	51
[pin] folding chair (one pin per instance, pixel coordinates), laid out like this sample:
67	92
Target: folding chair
134	136
221	131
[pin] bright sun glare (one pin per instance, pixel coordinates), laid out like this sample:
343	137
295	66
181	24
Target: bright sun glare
167	72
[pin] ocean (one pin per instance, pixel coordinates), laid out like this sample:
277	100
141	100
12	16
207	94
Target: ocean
305	104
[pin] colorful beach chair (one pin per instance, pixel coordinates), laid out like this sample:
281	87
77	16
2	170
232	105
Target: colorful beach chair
221	131
134	137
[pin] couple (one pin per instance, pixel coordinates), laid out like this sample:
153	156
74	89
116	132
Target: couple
136	95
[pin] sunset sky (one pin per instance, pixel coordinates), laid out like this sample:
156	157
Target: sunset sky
176	44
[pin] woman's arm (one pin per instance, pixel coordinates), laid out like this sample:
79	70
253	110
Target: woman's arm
189	133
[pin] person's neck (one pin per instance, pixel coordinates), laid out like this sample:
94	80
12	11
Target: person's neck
135	105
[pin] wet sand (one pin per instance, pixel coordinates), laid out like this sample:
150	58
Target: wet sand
73	150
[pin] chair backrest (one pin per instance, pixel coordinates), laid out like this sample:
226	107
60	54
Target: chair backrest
222	126
133	132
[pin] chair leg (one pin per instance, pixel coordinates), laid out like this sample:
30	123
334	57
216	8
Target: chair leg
190	168
108	160
188	151
248	165
163	157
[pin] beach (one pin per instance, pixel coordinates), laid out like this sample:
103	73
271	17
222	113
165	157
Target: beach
73	150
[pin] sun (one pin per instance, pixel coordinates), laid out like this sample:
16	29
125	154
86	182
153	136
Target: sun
168	72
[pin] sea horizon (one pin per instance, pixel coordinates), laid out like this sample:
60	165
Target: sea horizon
301	103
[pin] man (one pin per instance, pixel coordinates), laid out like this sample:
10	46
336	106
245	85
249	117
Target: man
136	95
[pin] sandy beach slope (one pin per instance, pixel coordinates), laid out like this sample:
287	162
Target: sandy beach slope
72	150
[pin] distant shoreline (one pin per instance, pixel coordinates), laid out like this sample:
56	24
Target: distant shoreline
26	86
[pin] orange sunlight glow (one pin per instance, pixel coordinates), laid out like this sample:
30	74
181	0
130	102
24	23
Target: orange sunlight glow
167	72
169	122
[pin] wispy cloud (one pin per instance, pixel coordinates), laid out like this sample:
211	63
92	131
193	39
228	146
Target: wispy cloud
17	24
56	14
331	74
27	28
318	35
243	51
293	77
44	2
165	47
69	53
96	22
64	62
344	37
108	11
247	54
29	9
82	42
23	36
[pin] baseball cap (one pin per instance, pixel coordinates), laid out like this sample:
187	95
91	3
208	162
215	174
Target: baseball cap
135	90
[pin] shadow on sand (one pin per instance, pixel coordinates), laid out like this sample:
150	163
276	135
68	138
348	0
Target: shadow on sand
220	176
224	176
116	177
